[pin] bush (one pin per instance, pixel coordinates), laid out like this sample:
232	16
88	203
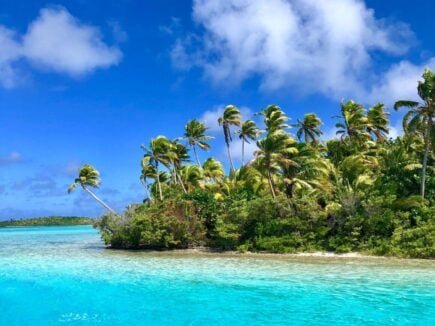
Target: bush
281	225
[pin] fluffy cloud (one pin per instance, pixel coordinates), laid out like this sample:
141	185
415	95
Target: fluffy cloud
399	82
55	41
59	42
309	45
10	51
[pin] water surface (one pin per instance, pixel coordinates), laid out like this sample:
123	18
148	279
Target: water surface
65	276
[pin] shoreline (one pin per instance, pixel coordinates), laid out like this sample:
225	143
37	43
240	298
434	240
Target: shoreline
203	251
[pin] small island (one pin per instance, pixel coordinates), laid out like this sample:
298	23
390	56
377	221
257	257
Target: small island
48	221
362	192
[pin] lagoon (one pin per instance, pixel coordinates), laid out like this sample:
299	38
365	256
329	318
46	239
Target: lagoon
65	276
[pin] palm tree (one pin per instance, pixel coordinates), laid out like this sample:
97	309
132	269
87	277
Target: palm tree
248	131
192	176
89	177
353	123
378	122
274	118
310	171
273	152
159	151
195	135
148	171
419	118
309	127
230	117
179	155
213	169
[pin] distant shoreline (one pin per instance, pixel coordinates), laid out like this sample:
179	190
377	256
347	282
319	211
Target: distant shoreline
48	221
39	226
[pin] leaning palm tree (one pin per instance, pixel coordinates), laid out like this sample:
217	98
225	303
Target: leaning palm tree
273	152
248	131
419	118
158	152
309	128
89	177
230	117
378	122
195	135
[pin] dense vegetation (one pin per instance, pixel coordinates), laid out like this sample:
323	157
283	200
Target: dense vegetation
49	221
362	192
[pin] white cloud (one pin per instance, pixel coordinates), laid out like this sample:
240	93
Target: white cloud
309	45
55	41
399	83
58	41
236	150
210	117
10	51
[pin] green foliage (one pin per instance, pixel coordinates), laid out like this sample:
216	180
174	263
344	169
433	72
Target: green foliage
362	192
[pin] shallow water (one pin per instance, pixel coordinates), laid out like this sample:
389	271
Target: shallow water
63	275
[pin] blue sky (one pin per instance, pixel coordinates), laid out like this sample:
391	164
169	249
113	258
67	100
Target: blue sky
90	81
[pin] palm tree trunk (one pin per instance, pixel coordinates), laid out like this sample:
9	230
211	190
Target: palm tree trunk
181	182
243	152
269	179
229	156
427	140
158	183
146	189
174	175
289	190
99	200
196	156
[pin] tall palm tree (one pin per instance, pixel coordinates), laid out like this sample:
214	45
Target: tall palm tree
230	117
89	177
158	152
248	131
309	128
378	122
353	123
273	152
274	118
419	118
195	135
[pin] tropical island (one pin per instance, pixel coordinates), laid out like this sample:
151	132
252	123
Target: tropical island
363	192
48	221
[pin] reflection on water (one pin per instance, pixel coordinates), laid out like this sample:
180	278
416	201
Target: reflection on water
64	275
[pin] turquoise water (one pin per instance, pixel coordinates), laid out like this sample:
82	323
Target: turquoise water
64	276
